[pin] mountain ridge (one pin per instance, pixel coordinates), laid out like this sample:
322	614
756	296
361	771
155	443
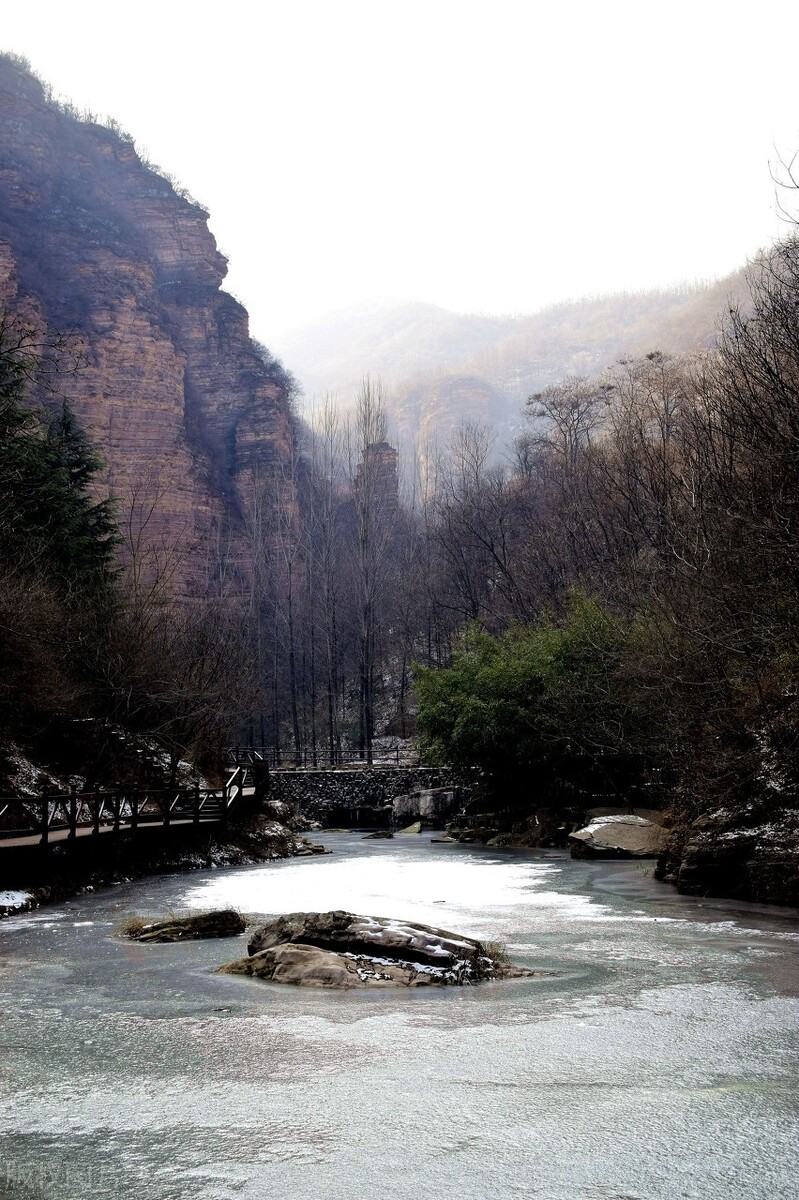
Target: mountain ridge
489	365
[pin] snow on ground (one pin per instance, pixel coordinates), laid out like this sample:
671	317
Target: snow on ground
14	902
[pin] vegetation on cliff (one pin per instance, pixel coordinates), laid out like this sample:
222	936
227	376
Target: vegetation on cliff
85	647
57	542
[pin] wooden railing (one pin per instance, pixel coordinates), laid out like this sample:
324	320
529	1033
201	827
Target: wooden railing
92	813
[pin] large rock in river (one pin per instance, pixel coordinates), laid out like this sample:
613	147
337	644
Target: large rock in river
346	932
342	950
311	966
618	835
749	854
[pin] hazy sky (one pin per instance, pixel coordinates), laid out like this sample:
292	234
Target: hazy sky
485	157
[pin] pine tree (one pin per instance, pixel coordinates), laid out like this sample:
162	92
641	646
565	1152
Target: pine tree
49	520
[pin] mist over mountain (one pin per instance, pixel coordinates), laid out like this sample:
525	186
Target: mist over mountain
441	367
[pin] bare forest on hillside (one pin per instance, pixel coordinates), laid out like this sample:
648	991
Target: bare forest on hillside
662	491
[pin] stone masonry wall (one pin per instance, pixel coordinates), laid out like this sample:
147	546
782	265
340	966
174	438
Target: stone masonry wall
354	796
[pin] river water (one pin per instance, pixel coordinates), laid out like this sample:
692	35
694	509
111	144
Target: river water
658	1062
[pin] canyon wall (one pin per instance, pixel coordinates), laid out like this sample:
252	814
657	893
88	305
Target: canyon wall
186	411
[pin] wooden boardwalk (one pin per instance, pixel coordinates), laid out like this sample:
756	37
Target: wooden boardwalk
49	820
58	820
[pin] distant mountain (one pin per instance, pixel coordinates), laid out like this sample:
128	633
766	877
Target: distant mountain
439	367
393	340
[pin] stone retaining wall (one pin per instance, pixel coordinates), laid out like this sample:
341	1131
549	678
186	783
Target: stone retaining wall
362	796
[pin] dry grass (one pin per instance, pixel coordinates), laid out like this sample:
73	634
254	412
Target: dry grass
133	926
496	951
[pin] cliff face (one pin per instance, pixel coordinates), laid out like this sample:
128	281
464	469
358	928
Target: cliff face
184	408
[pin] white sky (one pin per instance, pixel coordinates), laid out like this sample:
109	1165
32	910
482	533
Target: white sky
490	157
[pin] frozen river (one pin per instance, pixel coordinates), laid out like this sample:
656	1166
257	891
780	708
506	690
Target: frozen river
658	1063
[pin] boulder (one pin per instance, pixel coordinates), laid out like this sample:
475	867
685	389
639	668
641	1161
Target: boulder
655	815
13	902
416	827
342	950
618	835
380	833
311	966
223	923
347	932
432	806
436	804
305	848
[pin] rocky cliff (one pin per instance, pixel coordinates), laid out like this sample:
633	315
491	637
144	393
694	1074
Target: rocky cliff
185	409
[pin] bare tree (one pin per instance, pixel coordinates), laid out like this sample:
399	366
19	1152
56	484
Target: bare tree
326	543
568	415
372	469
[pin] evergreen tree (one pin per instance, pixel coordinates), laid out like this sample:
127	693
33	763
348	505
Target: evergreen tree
49	520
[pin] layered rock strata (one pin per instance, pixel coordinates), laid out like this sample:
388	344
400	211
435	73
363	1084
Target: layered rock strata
186	410
747	856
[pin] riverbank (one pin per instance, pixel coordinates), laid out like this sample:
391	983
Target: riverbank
748	854
273	834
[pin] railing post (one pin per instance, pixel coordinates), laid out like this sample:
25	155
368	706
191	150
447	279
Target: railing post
45	820
95	816
73	814
196	804
260	778
134	811
166	811
116	806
